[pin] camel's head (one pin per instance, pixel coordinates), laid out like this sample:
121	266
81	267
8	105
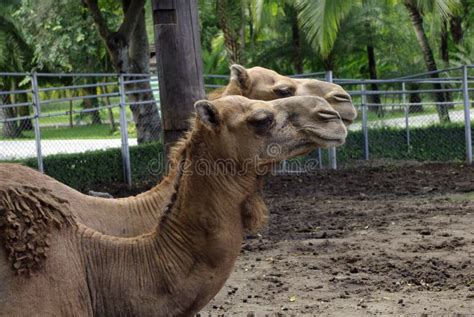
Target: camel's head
264	84
242	129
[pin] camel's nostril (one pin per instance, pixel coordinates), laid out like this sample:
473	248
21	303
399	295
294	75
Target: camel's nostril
342	97
328	115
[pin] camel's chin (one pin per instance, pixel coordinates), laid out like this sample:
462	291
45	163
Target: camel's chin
327	144
328	141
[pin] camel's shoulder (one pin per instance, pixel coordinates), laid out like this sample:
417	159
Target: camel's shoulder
28	214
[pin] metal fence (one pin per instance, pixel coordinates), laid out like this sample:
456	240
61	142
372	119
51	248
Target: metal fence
419	117
40	115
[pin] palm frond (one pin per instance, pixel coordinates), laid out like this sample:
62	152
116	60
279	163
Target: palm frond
14	49
320	19
441	8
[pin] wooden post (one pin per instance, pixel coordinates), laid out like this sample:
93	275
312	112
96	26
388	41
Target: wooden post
179	63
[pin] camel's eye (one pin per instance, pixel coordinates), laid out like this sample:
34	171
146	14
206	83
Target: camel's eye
283	92
262	121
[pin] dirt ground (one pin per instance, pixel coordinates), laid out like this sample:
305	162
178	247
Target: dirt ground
362	241
391	240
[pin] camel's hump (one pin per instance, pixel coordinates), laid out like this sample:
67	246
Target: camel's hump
27	216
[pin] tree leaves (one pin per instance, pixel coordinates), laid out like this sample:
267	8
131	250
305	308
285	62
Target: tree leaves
320	19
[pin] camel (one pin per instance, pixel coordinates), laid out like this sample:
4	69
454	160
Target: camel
265	84
133	216
52	264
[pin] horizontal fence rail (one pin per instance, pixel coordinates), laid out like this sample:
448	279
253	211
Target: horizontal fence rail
407	117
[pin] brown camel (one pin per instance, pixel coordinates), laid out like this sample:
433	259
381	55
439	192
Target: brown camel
51	264
265	84
133	216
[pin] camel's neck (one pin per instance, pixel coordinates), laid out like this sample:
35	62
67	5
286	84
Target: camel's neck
186	260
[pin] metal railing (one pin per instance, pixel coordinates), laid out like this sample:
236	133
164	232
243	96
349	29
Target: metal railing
47	104
403	114
456	83
455	89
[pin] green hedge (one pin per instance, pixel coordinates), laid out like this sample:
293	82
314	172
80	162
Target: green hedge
88	170
432	143
84	171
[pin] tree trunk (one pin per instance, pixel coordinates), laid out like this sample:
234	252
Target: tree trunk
444	52
415	98
90	103
444	44
296	38
10	128
129	52
145	116
328	62
251	29
26	124
375	99
226	10
456	29
104	90
179	64
417	21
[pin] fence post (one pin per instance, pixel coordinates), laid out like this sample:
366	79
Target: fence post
320	159
331	150
37	111
406	110
365	129
467	115
124	134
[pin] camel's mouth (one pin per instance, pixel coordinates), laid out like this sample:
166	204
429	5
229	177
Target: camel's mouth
323	138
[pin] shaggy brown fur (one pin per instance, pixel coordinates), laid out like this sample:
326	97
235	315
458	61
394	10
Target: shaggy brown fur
180	264
27	216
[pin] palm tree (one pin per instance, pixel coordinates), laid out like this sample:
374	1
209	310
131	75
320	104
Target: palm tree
443	9
322	20
15	56
231	21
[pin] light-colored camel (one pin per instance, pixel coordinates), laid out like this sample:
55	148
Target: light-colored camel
133	216
265	84
177	267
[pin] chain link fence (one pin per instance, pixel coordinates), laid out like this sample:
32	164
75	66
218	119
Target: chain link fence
425	117
44	115
44	118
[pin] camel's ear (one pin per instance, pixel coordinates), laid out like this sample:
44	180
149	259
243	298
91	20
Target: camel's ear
240	76
207	114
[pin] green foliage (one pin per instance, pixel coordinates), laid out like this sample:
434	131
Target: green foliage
63	35
15	53
60	34
321	19
333	34
88	170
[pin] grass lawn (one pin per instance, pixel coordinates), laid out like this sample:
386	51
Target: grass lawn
96	131
396	114
62	107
